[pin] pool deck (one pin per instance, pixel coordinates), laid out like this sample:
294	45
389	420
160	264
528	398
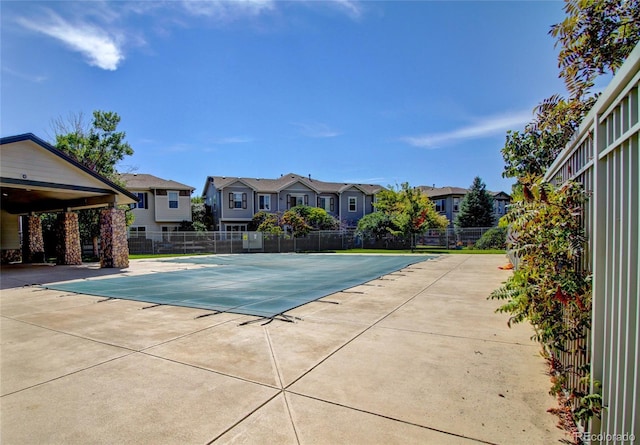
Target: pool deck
418	356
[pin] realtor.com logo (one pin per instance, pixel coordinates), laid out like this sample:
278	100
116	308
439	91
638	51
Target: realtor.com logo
602	437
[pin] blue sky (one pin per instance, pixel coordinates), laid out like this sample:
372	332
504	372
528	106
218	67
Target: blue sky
379	92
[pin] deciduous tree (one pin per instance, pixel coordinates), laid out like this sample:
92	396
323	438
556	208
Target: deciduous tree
303	219
99	147
595	37
266	222
401	211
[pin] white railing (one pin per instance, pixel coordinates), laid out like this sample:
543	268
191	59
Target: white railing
604	156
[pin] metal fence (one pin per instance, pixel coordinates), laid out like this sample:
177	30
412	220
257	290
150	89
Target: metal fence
246	242
604	156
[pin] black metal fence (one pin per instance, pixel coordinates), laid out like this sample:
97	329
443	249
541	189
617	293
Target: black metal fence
245	242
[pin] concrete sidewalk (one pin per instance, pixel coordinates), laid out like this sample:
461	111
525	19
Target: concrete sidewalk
418	356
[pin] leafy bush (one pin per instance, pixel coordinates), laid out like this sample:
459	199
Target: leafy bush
495	238
549	288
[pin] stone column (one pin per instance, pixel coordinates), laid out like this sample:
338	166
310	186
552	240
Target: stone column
68	250
32	240
113	237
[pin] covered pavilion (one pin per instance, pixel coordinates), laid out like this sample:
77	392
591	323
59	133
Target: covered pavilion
35	178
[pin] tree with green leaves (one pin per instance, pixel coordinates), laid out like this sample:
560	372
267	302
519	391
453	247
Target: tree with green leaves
532	151
595	37
200	218
99	147
401	211
377	225
548	288
476	208
266	222
303	219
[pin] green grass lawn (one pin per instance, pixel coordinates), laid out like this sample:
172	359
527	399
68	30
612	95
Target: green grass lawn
431	251
142	256
434	250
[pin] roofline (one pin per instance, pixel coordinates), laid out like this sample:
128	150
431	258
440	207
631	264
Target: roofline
300	180
349	185
233	180
182	186
53	150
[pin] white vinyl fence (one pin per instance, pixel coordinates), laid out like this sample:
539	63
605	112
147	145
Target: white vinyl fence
604	156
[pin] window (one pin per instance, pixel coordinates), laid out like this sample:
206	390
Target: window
236	227
137	232
440	205
297	200
264	202
142	200
237	200
456	204
326	203
173	200
353	203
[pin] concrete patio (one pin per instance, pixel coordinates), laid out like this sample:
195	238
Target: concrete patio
418	356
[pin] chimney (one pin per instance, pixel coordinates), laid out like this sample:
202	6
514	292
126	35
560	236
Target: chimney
309	176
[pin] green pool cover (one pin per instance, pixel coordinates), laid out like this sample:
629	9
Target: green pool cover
264	285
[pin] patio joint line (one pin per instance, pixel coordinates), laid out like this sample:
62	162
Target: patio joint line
202	368
71	334
243	418
367	328
406	422
70	373
282	391
190	333
273	356
457	336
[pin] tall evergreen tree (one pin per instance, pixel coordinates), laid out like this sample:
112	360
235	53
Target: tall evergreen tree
476	208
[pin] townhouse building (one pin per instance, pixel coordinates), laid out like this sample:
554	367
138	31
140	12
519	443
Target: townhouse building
234	201
162	204
447	201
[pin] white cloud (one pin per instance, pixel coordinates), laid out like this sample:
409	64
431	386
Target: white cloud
29	77
486	127
351	7
227	9
233	140
316	130
99	47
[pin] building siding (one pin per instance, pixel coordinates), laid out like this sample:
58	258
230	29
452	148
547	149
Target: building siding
21	157
281	191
